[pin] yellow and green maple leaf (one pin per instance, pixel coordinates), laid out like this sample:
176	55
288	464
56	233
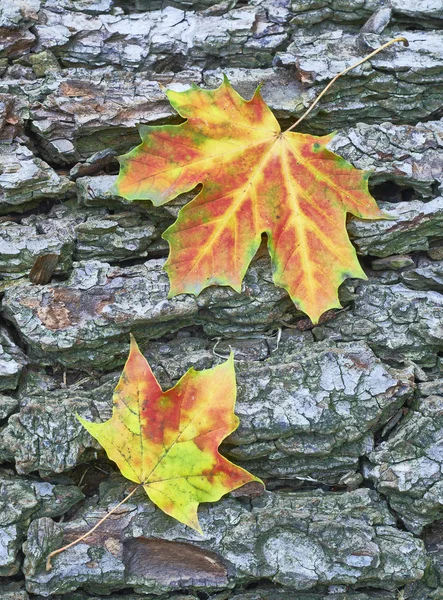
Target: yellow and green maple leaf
168	441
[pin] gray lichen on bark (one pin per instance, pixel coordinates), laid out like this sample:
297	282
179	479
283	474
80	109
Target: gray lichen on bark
294	539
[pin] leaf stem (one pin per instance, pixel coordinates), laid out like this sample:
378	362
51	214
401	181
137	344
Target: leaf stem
48	560
397	39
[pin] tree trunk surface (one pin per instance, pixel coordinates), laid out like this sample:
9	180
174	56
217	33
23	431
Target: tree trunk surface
343	420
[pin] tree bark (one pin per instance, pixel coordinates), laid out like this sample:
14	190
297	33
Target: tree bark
343	420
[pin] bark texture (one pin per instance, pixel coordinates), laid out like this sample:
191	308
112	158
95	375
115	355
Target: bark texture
343	421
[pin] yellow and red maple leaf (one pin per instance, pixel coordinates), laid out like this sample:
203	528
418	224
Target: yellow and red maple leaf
168	441
256	179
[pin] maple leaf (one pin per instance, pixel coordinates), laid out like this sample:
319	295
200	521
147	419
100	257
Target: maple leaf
168	441
256	179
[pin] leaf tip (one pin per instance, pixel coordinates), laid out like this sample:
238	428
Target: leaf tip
386	215
134	350
83	421
172	293
329	137
257	94
196	527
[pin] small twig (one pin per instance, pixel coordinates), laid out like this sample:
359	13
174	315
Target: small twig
278	336
83	477
218	340
80	382
102	470
310	479
360	62
85	535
